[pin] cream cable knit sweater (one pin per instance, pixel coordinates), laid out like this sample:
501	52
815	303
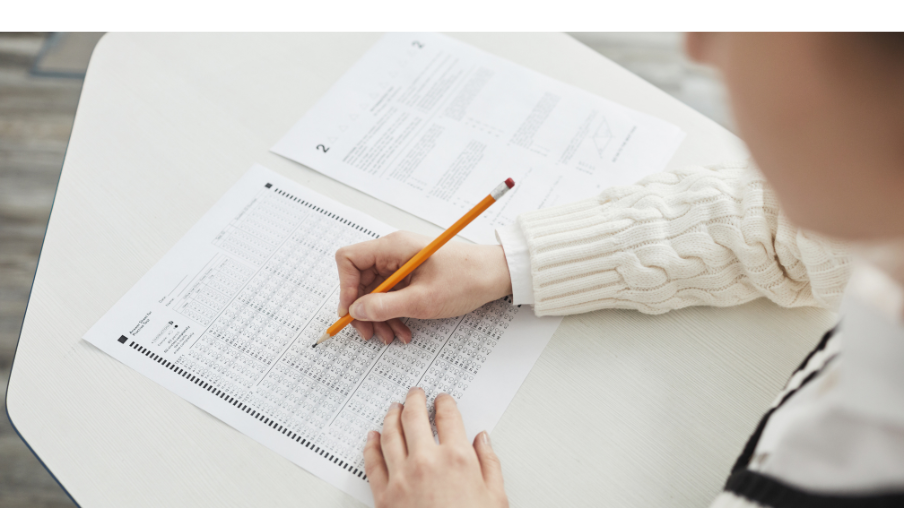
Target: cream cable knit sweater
696	236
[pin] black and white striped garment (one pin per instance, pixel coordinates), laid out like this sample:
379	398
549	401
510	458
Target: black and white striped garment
746	488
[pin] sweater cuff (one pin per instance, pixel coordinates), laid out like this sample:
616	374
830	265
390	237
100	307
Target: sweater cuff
517	256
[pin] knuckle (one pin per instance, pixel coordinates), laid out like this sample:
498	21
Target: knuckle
409	416
422	465
489	457
389	441
399	488
445	406
409	239
458	457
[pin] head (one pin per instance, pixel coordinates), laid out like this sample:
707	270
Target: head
823	117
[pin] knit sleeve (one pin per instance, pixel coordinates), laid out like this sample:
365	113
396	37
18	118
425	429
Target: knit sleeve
696	236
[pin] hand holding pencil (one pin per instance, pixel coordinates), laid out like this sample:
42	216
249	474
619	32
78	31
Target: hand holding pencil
456	279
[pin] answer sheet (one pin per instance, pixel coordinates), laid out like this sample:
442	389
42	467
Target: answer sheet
430	125
227	318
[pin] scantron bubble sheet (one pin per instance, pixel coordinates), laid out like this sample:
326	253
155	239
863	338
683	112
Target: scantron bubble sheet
227	318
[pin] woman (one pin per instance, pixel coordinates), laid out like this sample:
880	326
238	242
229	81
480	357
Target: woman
823	116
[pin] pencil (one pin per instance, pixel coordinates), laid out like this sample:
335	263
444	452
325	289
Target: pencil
425	253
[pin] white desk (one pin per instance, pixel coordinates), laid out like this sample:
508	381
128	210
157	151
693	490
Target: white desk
622	409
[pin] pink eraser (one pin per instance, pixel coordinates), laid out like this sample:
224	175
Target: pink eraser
509	182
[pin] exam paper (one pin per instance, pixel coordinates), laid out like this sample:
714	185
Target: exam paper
430	124
227	318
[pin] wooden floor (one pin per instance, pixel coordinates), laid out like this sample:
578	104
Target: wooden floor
36	115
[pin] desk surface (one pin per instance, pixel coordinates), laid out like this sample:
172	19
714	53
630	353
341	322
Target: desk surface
622	409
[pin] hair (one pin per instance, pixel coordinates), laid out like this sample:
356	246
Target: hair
873	59
889	43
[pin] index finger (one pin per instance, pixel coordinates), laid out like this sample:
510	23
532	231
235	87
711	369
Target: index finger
351	260
385	254
375	464
416	422
449	426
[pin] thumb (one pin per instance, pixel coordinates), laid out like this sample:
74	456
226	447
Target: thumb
489	463
406	302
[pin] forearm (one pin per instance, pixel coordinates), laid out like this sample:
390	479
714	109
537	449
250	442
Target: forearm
691	237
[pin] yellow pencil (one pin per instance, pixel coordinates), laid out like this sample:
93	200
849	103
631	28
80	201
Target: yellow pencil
425	253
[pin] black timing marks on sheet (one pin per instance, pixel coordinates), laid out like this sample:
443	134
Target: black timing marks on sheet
243	407
331	215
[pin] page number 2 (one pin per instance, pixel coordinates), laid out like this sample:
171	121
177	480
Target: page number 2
322	148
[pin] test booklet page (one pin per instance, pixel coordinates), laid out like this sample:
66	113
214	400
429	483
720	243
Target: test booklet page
425	123
227	320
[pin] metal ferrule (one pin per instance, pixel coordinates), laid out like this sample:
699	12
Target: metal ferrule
499	191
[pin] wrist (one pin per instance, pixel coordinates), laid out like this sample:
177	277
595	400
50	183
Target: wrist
495	273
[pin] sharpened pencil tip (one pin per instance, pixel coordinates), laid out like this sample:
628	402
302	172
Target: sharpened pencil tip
326	335
314	345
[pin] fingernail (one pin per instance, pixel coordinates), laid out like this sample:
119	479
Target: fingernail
358	312
484	438
372	435
343	311
395	405
415	389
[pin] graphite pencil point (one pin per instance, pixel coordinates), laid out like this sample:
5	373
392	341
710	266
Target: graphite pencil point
326	335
